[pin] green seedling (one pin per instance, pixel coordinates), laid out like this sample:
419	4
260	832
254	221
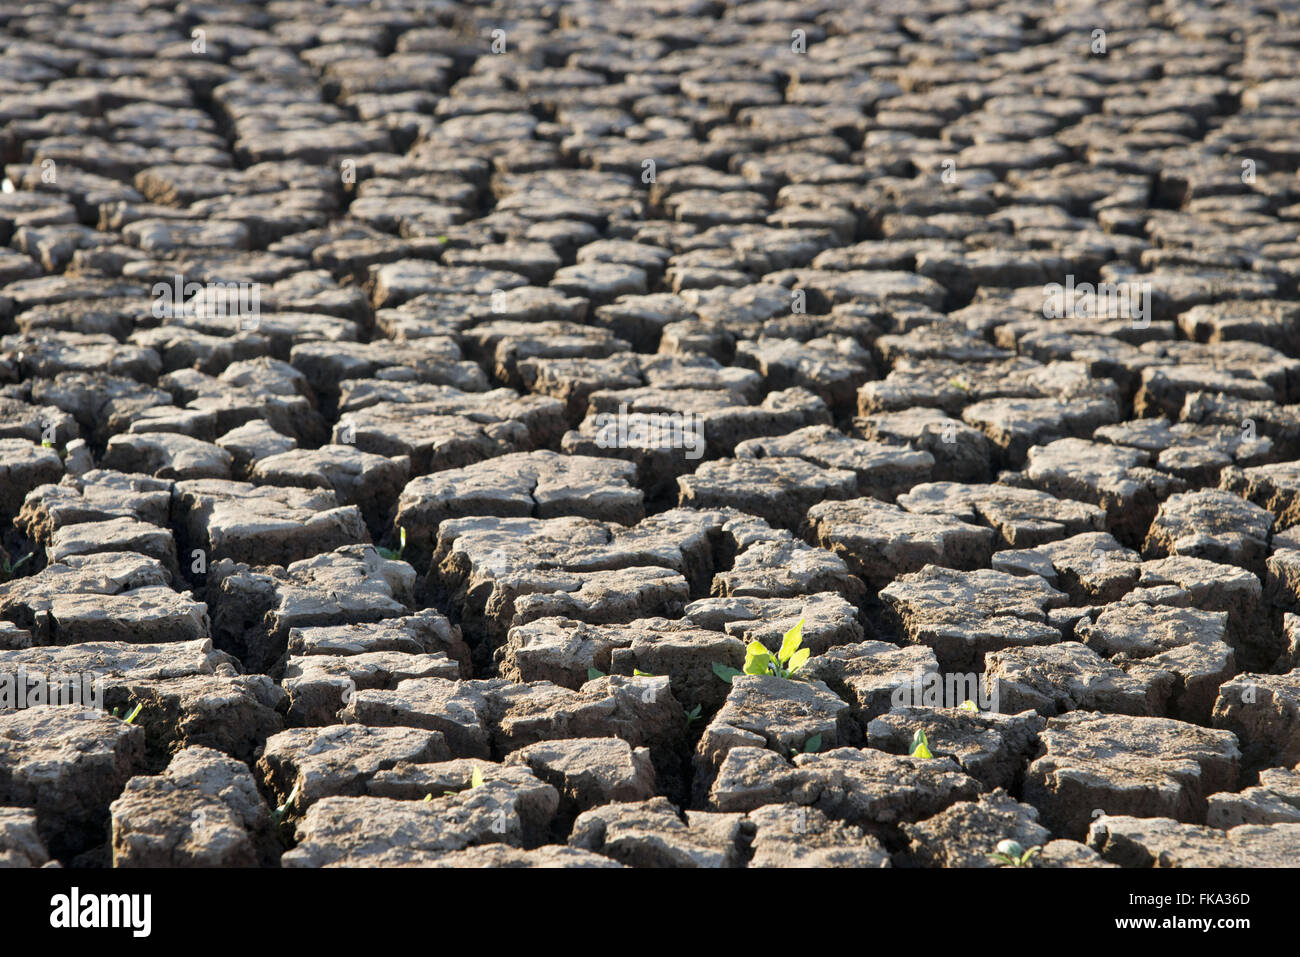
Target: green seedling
920	745
813	744
10	567
475	781
725	672
130	718
760	661
594	673
693	715
970	706
395	555
277	816
1011	854
959	383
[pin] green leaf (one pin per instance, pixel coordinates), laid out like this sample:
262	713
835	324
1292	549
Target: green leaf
920	745
791	642
388	553
429	796
476	779
757	658
799	660
19	564
402	538
135	713
813	744
725	672
594	673
970	706
637	672
694	714
278	814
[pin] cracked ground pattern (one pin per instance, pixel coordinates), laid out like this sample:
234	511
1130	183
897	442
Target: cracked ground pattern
414	413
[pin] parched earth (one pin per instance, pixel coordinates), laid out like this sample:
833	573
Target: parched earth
407	408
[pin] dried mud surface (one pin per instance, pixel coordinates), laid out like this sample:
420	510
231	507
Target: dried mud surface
407	408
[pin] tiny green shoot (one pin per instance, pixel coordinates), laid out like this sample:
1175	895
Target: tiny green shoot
693	715
594	673
476	778
395	555
725	672
8	567
278	814
813	744
130	718
920	745
1010	854
970	706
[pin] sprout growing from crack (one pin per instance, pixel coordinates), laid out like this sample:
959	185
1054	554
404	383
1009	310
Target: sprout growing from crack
920	745
1009	853
395	555
130	718
760	661
9	568
278	815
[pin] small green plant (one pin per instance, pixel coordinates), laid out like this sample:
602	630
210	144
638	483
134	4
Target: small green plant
970	706
594	673
395	555
475	781
959	383
813	744
1010	854
760	661
920	745
130	718
277	816
693	715
8	567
